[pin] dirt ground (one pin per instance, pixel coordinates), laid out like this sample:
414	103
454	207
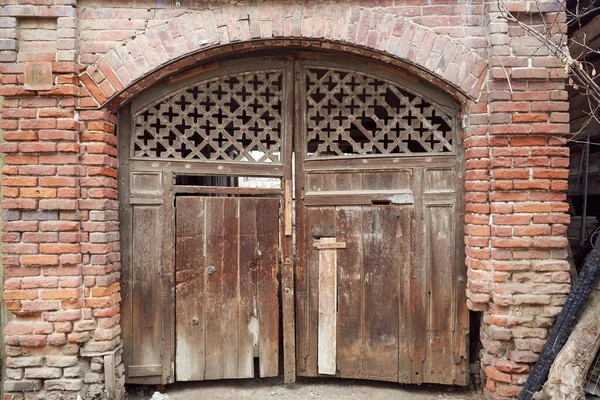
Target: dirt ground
304	389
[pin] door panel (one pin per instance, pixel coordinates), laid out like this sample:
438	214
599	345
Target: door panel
146	359
190	289
227	308
397	296
350	277
380	288
378	168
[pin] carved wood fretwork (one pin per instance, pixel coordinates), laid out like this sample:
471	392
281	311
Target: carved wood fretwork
231	118
354	114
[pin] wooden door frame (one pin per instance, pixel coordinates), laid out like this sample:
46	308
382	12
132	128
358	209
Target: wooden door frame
293	273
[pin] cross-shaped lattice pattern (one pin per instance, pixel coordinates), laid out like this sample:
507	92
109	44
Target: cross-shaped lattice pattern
353	114
230	118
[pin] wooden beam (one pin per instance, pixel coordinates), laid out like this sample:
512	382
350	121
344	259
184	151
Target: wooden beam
329	245
188	189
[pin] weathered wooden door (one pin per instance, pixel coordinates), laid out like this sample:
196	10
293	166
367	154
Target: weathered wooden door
226	293
368	267
380	272
201	253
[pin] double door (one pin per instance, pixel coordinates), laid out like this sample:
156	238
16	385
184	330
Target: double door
349	265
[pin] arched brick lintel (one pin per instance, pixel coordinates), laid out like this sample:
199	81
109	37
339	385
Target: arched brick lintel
188	39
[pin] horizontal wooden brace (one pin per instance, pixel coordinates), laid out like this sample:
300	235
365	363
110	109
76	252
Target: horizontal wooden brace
146	200
358	197
136	371
330	245
225	190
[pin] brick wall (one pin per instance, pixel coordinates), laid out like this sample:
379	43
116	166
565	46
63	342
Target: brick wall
518	275
60	239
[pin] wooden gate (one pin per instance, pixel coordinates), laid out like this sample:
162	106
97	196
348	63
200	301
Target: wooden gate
362	237
380	274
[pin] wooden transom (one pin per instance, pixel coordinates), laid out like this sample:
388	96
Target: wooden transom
231	118
239	117
354	114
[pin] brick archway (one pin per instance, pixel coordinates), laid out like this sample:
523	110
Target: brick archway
186	40
61	242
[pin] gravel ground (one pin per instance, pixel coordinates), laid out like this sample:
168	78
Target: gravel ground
304	389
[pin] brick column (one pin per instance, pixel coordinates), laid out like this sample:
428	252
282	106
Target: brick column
59	232
100	245
518	272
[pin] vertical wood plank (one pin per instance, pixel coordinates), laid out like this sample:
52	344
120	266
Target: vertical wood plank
214	256
110	379
248	315
417	312
167	282
287	283
287	207
350	274
190	356
229	294
404	286
147	284
440	263
460	340
267	229
380	291
126	236
301	289
327	309
319	220
301	184
287	240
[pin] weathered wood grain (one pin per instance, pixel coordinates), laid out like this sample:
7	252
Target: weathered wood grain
229	294
214	274
147	284
267	255
380	293
327	307
190	353
350	278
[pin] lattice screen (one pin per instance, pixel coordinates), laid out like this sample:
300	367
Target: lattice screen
232	118
353	114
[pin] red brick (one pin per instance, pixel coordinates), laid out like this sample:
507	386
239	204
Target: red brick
58	248
510	129
512	219
512	243
58	181
510	174
532	230
20	136
32	260
57	294
558	242
528	141
38	192
477	230
520	118
19	181
551	173
37	147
